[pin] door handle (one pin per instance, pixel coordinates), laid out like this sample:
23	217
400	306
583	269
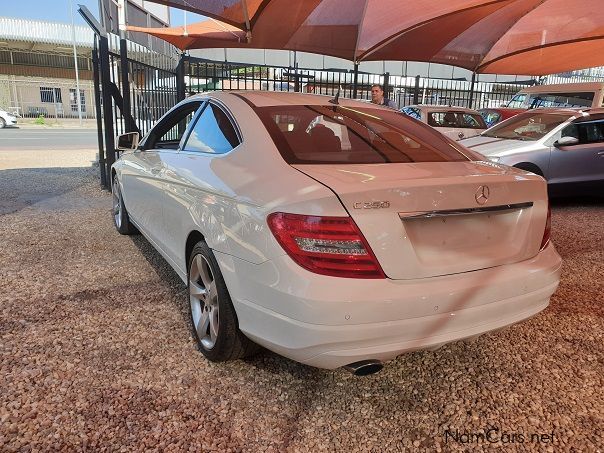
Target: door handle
601	154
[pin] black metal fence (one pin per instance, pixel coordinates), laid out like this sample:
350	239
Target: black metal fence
205	75
151	93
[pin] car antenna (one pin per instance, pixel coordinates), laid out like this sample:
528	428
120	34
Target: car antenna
335	99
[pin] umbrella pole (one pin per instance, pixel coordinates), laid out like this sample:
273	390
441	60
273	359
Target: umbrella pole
355	80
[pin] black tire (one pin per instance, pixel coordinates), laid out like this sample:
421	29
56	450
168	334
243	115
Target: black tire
228	342
2	123
120	214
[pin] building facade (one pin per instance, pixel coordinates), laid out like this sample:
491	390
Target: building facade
37	68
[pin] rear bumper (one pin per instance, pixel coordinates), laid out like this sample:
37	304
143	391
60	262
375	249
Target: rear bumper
330	322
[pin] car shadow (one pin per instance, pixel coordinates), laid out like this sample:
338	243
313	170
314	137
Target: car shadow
265	360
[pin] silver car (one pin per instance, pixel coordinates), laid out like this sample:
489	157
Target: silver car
565	146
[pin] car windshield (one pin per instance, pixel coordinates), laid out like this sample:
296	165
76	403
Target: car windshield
527	126
552	100
539	100
318	134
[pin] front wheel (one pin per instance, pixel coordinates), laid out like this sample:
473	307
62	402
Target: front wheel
213	318
120	215
2	123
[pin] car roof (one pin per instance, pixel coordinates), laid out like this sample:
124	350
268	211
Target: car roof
275	98
441	108
567	110
502	109
564	87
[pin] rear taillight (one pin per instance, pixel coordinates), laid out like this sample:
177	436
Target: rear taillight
325	245
548	229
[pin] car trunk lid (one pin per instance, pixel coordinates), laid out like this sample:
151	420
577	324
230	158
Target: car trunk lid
438	218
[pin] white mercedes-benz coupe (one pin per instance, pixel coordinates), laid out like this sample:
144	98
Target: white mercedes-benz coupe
331	231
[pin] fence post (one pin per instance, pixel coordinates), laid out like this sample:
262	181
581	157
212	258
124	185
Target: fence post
104	82
355	80
124	69
416	90
471	100
107	103
386	85
99	121
180	78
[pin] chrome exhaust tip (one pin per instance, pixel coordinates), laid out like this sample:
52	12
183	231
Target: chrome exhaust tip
364	367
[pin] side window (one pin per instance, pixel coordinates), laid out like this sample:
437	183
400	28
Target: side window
472	121
570	131
591	131
442	119
213	132
168	133
517	101
490	117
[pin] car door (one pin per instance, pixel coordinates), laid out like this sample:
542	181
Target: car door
143	183
583	162
194	195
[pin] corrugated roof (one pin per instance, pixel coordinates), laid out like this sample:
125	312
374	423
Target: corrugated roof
36	31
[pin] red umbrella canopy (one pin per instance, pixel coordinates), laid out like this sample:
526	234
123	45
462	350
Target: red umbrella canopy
205	34
489	36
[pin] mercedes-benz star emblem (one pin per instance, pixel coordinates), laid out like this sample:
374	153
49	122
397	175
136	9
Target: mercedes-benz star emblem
482	194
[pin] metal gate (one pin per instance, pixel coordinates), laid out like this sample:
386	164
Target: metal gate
133	88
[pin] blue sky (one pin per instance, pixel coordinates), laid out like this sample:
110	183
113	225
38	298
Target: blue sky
58	11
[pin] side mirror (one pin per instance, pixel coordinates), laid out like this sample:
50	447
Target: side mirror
127	142
566	141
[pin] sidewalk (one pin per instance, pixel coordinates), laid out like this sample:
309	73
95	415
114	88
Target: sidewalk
42	158
51	123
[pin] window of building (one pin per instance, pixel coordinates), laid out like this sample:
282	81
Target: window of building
73	103
51	95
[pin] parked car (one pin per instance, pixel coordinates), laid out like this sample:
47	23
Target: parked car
455	122
7	119
492	116
336	233
565	146
564	95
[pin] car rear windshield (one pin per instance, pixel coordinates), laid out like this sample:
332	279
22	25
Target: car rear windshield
318	134
456	120
527	126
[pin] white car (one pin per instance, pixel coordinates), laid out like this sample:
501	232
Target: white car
455	122
335	233
7	119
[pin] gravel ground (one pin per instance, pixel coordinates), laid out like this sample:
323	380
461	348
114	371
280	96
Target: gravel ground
95	353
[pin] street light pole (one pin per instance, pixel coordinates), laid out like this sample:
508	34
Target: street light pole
75	64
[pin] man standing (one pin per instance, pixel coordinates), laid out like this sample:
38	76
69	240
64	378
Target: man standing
377	97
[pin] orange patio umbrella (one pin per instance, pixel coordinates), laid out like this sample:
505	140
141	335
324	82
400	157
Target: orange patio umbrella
205	34
487	36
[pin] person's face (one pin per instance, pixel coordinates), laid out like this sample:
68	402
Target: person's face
377	94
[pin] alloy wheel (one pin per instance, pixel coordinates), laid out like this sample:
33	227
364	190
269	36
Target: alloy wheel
203	298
